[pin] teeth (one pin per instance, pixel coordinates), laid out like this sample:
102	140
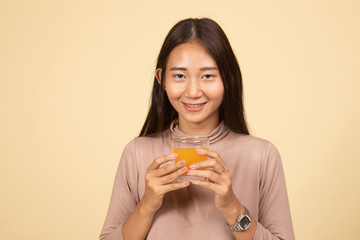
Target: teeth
194	105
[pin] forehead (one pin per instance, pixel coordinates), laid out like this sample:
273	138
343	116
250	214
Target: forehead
191	54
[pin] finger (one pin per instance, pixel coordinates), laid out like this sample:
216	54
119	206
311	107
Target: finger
210	154
206	184
173	176
212	176
211	164
168	169
175	186
160	160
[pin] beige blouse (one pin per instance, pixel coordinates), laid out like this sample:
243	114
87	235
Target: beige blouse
190	213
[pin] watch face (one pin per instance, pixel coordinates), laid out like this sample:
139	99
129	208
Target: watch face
245	222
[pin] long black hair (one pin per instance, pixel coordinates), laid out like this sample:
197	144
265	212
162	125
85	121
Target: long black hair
208	33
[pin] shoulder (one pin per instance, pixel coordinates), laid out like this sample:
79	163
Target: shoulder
265	151
251	142
145	145
258	149
144	141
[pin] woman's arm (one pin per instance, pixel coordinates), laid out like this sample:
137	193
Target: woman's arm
138	224
274	213
219	181
129	217
158	181
274	210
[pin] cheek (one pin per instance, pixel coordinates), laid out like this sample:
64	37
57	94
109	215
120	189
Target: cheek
173	91
173	97
171	94
217	92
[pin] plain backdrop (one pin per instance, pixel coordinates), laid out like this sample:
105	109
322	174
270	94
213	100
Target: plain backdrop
75	82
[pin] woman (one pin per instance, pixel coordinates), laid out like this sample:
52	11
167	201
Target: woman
198	91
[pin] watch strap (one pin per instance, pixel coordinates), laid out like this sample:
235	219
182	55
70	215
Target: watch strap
237	227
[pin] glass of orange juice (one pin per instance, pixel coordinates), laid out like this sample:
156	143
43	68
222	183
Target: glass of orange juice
186	147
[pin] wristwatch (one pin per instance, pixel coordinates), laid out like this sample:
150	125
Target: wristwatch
242	222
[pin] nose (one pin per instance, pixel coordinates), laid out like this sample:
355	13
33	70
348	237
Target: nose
193	89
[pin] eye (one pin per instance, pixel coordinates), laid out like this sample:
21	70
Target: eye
179	76
207	76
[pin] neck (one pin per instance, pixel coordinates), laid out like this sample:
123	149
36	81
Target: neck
197	129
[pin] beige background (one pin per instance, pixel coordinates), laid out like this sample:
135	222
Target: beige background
75	80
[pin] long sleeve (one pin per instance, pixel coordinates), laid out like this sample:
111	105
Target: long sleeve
274	212
124	196
258	181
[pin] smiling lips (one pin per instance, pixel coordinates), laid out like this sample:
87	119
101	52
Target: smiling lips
194	107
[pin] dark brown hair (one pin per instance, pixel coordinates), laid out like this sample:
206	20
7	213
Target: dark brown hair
208	33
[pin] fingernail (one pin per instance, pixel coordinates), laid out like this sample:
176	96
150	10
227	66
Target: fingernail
182	162
189	172
184	169
194	181
192	166
174	155
187	183
199	150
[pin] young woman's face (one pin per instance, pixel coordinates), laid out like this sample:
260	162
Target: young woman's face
194	87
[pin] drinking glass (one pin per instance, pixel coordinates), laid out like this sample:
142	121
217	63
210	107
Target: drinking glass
186	147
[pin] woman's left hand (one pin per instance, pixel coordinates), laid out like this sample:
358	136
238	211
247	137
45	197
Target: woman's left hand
219	181
219	178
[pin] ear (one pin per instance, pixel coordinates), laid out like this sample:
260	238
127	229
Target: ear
158	76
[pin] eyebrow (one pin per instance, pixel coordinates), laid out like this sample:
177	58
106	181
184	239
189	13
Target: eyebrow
184	69
177	68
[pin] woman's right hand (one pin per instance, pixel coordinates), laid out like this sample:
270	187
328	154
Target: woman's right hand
159	181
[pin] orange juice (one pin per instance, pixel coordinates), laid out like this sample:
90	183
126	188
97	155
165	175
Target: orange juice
189	155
